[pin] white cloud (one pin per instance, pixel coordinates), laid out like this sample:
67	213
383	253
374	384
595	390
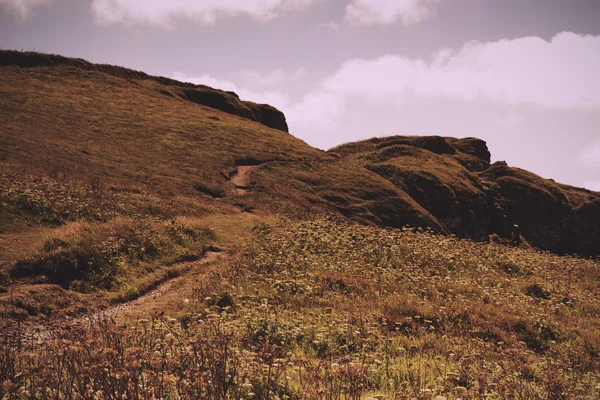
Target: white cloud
557	75
591	156
273	98
269	79
592	185
206	12
562	73
21	8
253	78
331	26
512	77
370	12
316	112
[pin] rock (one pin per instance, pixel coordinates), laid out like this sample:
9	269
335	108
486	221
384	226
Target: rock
453	180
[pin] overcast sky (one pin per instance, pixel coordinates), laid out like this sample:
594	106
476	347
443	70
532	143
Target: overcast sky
524	75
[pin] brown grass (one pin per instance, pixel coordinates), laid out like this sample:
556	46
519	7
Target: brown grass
326	310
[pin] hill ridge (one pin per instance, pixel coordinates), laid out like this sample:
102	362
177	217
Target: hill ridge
226	101
181	141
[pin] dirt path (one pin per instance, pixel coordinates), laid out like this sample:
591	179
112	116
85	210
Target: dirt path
173	295
243	178
168	295
156	300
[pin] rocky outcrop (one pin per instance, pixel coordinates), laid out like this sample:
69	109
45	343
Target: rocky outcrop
268	115
453	180
231	103
551	216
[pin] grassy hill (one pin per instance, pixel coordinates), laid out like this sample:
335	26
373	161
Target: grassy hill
454	181
202	251
125	130
128	131
88	150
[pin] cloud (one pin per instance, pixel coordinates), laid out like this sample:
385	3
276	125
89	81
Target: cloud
591	156
21	8
317	112
269	79
385	12
206	12
503	77
502	82
561	73
330	26
273	98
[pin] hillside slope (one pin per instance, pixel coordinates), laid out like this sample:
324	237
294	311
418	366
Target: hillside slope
200	94
108	133
454	181
81	132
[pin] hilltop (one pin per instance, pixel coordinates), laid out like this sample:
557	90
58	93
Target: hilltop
454	180
124	129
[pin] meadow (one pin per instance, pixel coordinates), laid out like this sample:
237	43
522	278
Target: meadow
324	309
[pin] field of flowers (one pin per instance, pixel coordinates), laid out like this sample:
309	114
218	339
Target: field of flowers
321	309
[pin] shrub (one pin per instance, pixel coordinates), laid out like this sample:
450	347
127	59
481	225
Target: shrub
93	255
512	268
536	290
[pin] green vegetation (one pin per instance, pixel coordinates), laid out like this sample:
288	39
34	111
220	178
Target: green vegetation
321	309
55	199
98	255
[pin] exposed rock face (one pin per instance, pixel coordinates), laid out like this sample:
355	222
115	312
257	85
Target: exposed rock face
231	103
268	115
551	216
453	180
228	102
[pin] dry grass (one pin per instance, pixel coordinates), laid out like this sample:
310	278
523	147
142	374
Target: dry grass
127	136
116	260
326	310
127	131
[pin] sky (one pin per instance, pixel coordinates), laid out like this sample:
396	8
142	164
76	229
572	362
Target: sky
523	75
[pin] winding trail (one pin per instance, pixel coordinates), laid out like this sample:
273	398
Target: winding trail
155	300
242	179
169	297
169	294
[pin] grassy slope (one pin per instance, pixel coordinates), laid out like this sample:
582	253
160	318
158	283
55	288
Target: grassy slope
100	125
135	131
454	181
200	94
128	133
85	145
324	310
90	124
